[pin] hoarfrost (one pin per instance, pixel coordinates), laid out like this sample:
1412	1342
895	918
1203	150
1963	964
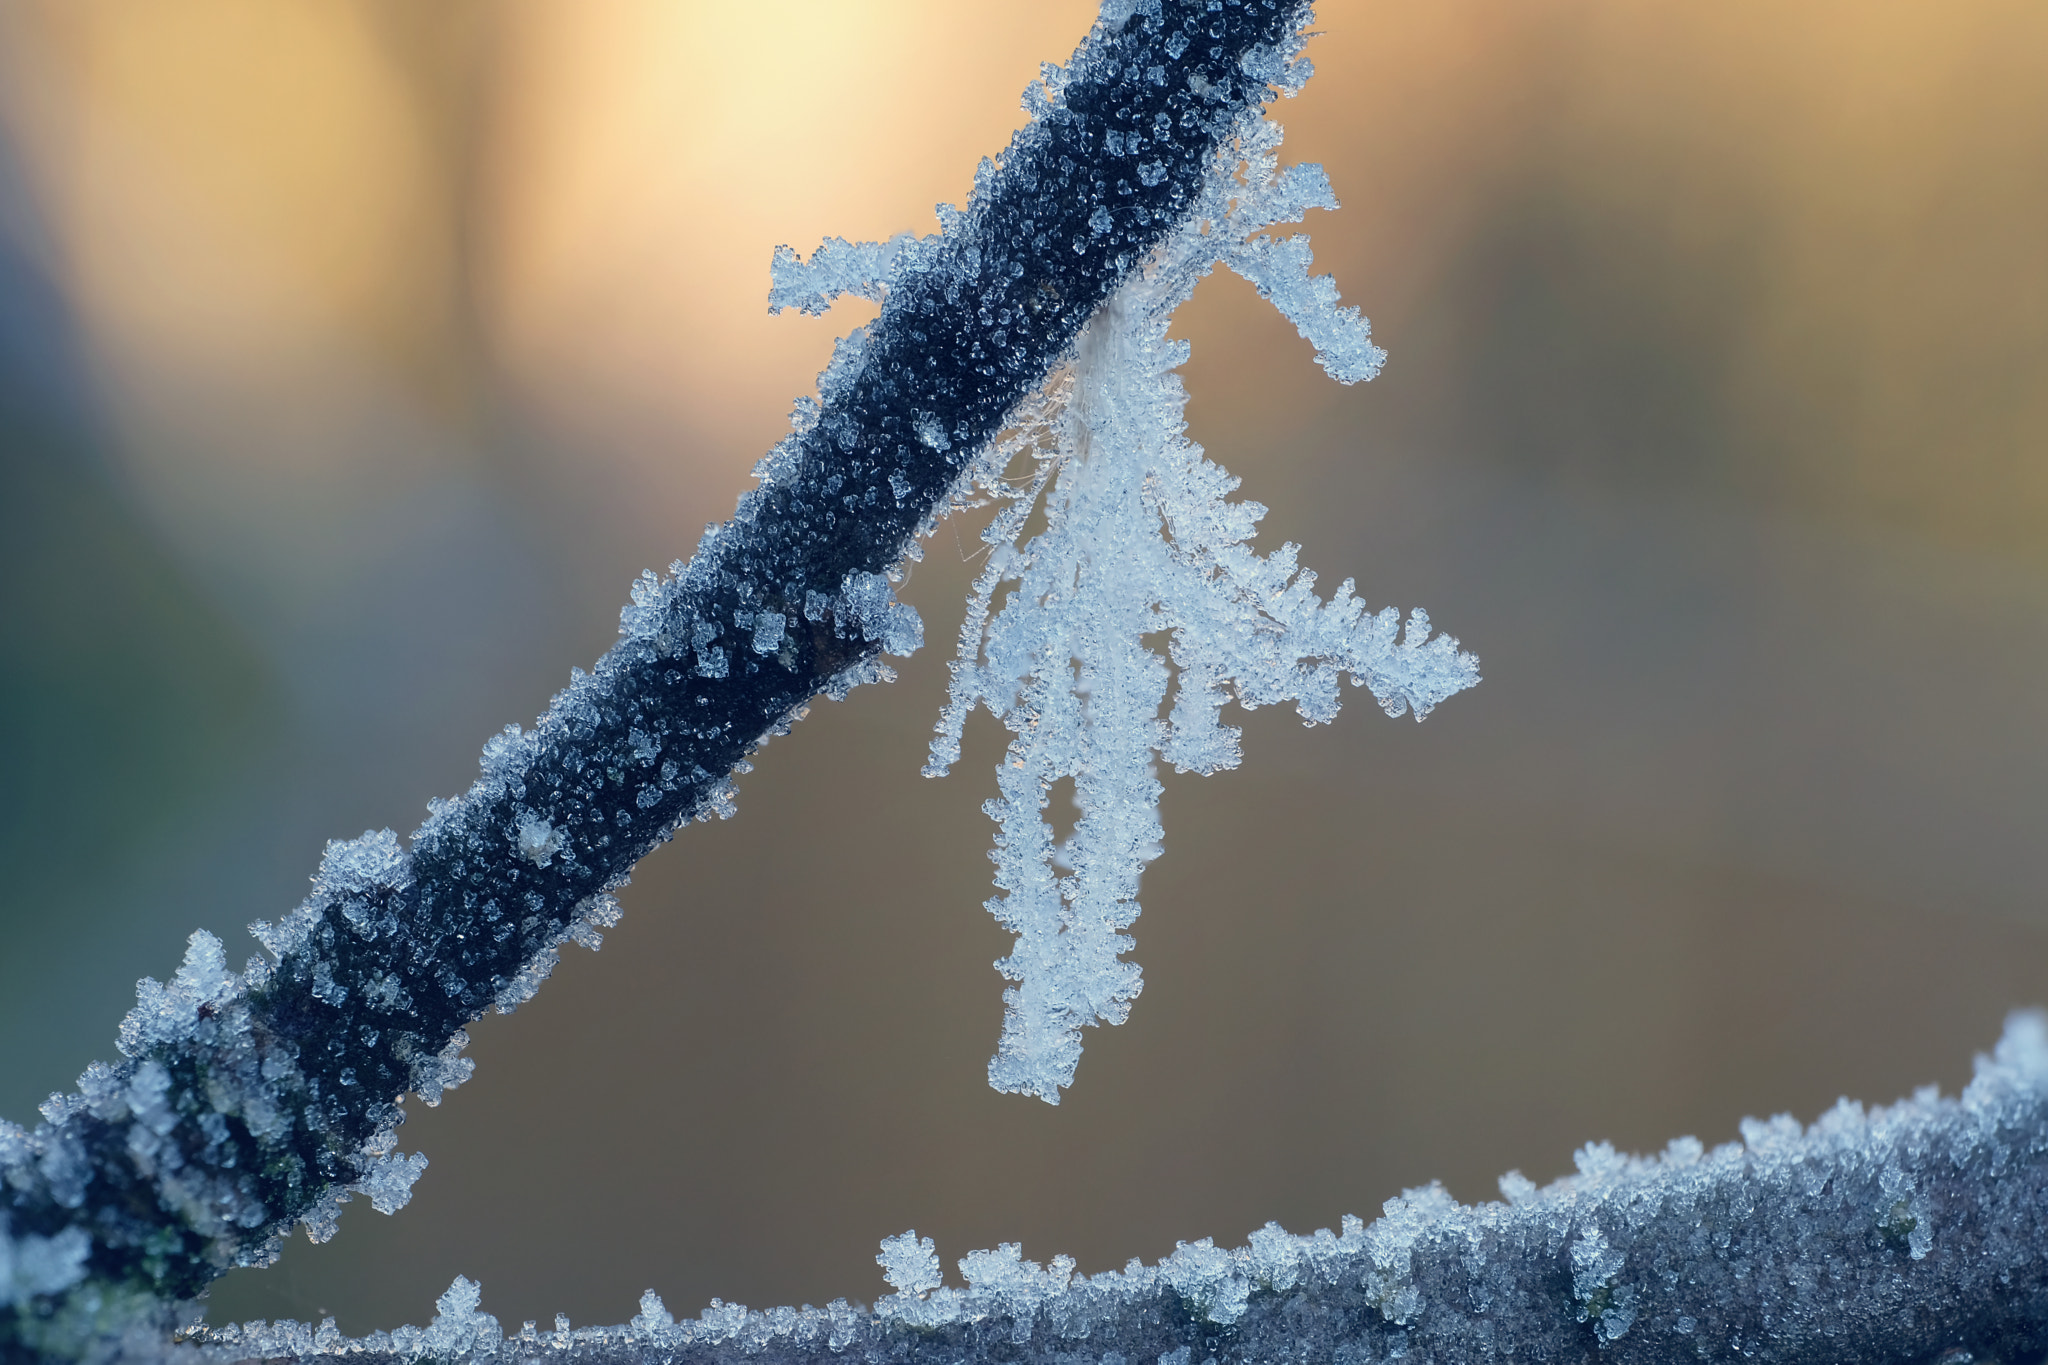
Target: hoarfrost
459	1327
539	840
910	1264
768	631
442	1072
352	866
653	1318
894	625
836	268
1209	1279
1140	539
722	1321
1596	1271
389	1180
164	1014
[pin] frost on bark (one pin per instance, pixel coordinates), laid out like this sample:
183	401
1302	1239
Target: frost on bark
1912	1233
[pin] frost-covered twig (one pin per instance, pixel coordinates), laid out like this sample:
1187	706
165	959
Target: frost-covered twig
1913	1234
251	1101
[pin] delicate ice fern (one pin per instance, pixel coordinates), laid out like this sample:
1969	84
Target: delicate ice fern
1141	540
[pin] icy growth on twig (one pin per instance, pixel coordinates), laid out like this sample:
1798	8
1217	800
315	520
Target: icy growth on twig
459	1327
910	1264
1141	539
653	1316
836	268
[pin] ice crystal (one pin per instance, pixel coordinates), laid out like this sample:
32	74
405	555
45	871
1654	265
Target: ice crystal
909	1264
1141	539
836	268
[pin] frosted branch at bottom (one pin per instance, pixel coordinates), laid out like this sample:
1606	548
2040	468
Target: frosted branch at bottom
1907	1233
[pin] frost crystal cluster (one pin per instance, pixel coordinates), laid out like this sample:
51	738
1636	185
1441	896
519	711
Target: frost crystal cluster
1141	540
1907	1233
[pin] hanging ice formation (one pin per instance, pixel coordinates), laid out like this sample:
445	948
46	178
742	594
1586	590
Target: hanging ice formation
1140	539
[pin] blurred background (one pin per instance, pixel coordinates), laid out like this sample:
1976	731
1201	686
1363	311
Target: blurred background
355	354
